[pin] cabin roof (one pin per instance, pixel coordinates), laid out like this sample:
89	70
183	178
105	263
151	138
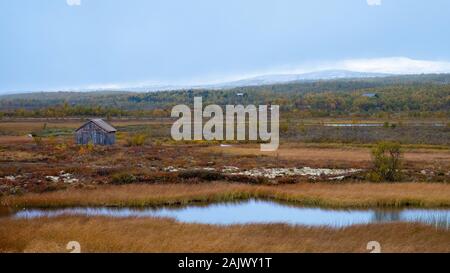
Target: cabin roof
100	123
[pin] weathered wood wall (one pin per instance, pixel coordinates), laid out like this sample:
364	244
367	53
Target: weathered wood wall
91	133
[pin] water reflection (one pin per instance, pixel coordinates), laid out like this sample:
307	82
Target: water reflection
259	211
386	216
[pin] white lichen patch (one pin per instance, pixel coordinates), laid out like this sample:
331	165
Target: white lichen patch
305	171
67	178
172	169
337	177
12	177
230	169
52	178
271	173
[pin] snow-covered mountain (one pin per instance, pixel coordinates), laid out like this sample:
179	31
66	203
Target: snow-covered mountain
271	79
255	81
319	75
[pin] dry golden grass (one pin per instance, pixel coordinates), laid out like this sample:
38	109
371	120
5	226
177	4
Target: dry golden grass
15	140
333	154
318	194
20	156
99	234
20	126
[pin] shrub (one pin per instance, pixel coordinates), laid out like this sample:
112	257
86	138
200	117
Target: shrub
37	140
247	179
106	171
62	147
302	128
123	178
387	161
86	149
287	180
201	175
284	127
51	141
136	140
160	177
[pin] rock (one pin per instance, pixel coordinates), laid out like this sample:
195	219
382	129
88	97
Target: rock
52	178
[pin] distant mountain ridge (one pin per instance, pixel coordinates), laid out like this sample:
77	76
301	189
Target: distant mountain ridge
311	76
370	79
269	79
254	81
424	93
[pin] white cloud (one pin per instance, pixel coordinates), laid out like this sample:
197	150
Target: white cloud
73	2
374	2
395	65
389	65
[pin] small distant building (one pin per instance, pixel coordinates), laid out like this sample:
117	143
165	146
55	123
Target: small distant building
240	94
371	95
97	132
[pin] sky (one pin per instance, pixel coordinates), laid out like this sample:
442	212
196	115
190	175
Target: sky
80	44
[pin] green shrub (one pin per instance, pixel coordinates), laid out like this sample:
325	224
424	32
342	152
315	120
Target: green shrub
107	171
201	175
37	140
248	179
123	178
137	140
387	161
302	128
284	127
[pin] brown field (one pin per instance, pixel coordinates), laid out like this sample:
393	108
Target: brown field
335	155
15	125
290	154
27	167
100	234
320	194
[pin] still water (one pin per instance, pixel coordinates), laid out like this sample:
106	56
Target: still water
258	211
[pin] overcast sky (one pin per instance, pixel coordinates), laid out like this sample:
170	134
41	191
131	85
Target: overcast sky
69	44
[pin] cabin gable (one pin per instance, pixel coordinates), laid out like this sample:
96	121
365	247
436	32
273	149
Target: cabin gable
92	132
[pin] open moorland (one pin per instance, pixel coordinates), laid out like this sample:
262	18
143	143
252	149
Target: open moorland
145	168
100	234
376	150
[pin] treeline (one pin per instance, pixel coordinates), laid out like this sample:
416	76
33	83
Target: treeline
66	110
418	96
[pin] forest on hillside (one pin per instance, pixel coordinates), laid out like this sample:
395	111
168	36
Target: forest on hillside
413	96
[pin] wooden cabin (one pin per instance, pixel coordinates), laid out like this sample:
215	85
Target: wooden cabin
97	132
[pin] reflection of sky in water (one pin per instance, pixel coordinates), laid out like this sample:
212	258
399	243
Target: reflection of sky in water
257	211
